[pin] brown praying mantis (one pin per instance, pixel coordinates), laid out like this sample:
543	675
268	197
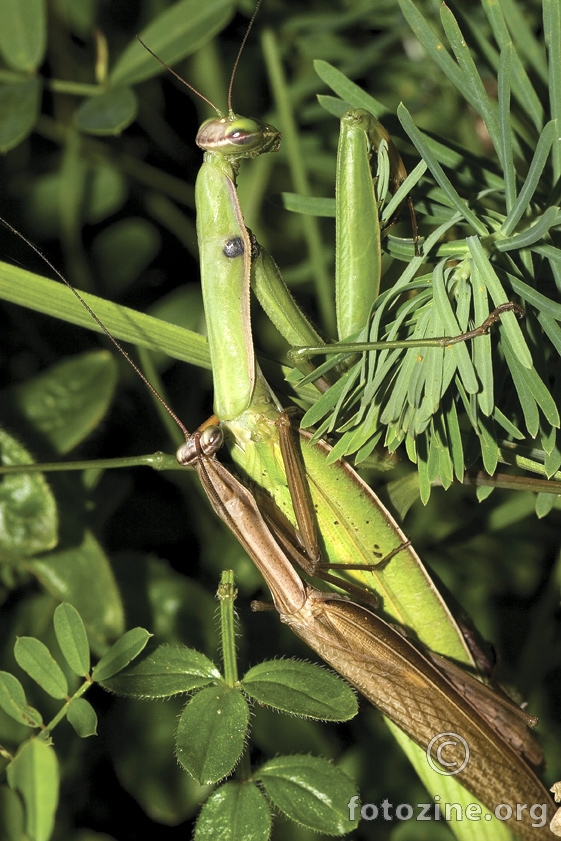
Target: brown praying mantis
297	598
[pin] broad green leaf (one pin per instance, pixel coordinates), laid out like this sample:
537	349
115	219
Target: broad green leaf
124	250
544	504
68	401
83	576
82	717
234	812
72	638
167	671
19	110
34	657
174	34
211	733
14	702
12	817
23	33
103	191
121	653
34	775
27	506
107	114
80	17
310	791
301	689
161	787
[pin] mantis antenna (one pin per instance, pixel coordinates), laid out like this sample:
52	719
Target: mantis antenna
232	75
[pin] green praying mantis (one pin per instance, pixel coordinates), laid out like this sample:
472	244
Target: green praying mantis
251	418
342	632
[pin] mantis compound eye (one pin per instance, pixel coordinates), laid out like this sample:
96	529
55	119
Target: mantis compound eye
210	440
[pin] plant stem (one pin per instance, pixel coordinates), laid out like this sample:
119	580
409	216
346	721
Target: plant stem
227	594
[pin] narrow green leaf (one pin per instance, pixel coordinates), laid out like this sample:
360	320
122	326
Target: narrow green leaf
505	126
482	351
107	114
14	702
527	401
176	33
550	308
472	79
522	87
351	93
459	352
535	171
34	657
534	233
234	812
536	387
435	48
211	733
552	33
528	42
455	440
301	689
167	671
420	143
48	296
34	774
489	446
82	717
72	638
121	653
335	107
310	791
422	465
392	207
509	427
311	205
509	323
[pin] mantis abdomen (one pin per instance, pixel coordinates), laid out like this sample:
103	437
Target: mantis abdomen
393	674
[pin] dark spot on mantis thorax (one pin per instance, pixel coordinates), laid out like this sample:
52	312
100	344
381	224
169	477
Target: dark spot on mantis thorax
233	247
